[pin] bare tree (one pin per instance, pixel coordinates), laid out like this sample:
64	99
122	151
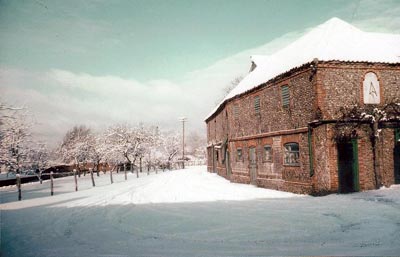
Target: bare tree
229	87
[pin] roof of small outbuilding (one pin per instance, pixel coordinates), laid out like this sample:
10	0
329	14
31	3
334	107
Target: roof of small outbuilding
334	40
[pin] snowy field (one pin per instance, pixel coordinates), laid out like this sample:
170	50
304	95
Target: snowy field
193	213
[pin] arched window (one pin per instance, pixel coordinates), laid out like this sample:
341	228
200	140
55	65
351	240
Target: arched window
291	154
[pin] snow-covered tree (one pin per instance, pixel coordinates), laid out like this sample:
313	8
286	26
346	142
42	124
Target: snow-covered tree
76	146
39	156
14	138
151	144
98	149
127	142
196	145
169	147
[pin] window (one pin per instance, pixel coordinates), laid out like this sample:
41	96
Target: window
257	104
236	111
239	155
291	154
267	153
216	155
285	96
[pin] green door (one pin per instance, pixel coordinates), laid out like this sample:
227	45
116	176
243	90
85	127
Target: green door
396	156
348	166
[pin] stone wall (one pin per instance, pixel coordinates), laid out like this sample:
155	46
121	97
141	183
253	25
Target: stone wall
340	85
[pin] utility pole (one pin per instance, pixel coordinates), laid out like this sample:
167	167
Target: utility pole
183	120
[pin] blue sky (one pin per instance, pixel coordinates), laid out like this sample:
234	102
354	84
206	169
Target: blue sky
163	59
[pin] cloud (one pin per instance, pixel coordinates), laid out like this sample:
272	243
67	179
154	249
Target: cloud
378	16
60	99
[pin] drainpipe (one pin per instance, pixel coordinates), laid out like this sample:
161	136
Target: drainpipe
310	151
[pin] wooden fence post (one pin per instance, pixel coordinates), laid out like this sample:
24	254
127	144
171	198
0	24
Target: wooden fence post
137	173
76	180
51	183
111	178
40	177
19	187
125	171
91	175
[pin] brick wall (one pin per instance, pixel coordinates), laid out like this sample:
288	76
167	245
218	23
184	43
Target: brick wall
386	145
334	85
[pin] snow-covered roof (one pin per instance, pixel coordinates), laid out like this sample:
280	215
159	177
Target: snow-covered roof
334	40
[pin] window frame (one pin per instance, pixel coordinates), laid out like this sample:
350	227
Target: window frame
271	153
236	111
239	158
257	105
285	96
289	154
217	155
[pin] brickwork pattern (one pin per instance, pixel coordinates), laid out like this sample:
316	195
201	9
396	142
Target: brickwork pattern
335	85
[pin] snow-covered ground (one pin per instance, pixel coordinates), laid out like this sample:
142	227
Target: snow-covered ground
190	185
193	213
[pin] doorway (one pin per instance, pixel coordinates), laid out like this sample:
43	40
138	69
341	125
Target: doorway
214	162
253	165
348	166
227	164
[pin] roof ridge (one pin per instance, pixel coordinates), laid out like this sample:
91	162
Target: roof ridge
334	39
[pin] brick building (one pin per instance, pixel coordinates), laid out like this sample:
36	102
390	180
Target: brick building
318	116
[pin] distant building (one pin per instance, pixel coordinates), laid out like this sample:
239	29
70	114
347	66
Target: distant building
319	116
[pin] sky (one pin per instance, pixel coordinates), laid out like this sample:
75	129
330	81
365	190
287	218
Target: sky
101	62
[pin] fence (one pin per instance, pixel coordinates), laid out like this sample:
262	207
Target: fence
77	174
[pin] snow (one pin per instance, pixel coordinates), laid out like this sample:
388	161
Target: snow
189	185
196	214
334	40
